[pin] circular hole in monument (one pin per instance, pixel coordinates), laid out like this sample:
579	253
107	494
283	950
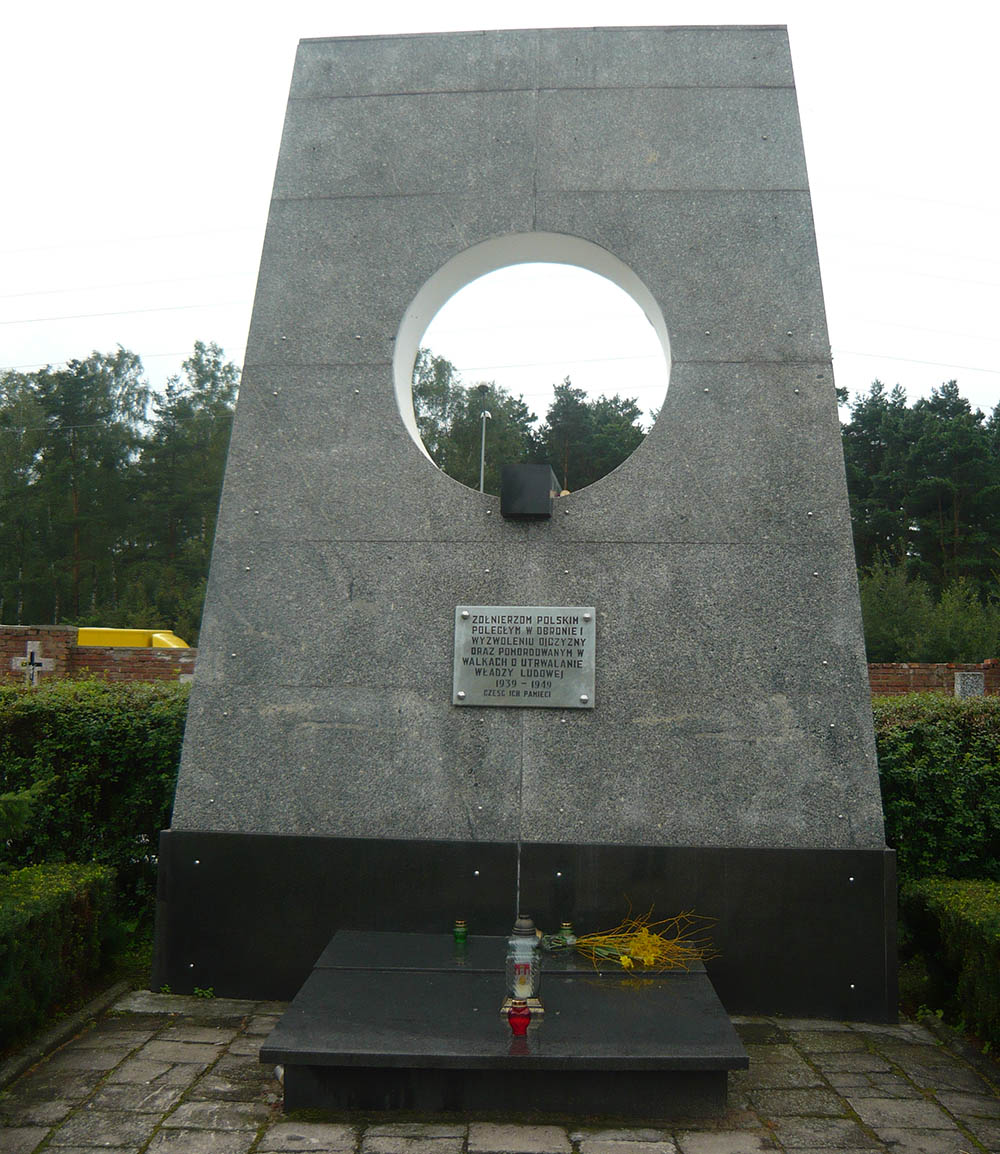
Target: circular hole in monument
567	365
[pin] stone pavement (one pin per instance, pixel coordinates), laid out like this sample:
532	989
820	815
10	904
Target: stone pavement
173	1075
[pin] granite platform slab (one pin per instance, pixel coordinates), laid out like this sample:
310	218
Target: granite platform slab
396	1021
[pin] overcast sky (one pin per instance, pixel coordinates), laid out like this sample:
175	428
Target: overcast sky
139	144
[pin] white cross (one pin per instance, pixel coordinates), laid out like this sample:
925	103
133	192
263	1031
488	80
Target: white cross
33	664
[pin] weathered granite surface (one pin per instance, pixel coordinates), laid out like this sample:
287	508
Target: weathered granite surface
733	701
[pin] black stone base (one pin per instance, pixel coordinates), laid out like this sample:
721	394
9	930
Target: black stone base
645	1095
800	932
410	1022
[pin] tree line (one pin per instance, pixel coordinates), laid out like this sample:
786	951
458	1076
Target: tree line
109	492
924	487
581	439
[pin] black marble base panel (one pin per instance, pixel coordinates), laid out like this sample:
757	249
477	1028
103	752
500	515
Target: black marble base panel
800	932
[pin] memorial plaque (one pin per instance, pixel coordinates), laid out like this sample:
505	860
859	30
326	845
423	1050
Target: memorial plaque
525	655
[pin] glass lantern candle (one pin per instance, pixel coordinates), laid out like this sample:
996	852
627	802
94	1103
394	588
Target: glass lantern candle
519	1017
523	966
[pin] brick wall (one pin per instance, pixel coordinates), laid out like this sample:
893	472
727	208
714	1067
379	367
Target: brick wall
40	651
923	677
51	650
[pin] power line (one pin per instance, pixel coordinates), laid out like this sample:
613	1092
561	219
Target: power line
98	242
911	272
915	361
126	312
922	328
866	242
126	284
549	364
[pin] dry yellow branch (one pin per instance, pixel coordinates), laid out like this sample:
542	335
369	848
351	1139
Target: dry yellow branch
669	944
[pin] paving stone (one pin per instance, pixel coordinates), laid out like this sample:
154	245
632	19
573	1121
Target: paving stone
902	1031
277	1008
986	1131
202	1142
105	1128
325	1138
946	1077
190	1052
911	1113
805	1101
131	1021
737	1097
141	1097
861	1062
812	1024
834	1041
762	1033
217	1116
627	1146
21	1139
146	1002
72	1058
497	1138
732	1119
95	1149
15	1112
776	1067
722	1142
399	1144
237	1080
628	1135
262	1023
250	1047
220	1011
144	1071
970	1105
214	1035
902	1141
875	1085
820	1133
850	1081
68	1087
418	1129
914	1054
112	1038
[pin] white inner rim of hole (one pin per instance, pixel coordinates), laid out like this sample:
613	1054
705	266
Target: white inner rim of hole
527	248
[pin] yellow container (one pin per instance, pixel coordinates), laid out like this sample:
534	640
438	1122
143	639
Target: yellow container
134	638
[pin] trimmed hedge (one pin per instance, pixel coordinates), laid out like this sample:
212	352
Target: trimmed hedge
939	762
113	749
956	927
54	923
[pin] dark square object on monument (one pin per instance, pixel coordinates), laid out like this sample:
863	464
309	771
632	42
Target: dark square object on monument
527	491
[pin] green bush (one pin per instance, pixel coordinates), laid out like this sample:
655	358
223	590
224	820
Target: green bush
113	750
939	763
955	925
54	923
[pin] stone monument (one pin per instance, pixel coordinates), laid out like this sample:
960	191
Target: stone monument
724	760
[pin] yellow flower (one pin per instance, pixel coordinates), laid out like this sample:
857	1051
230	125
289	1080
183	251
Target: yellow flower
626	962
643	947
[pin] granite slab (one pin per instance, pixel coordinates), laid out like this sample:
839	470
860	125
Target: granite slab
365	1031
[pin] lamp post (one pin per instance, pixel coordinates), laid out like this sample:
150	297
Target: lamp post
487	416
